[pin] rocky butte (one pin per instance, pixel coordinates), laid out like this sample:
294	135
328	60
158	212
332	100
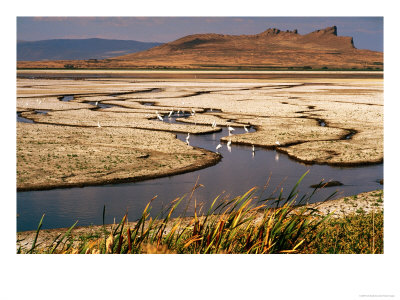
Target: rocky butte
273	48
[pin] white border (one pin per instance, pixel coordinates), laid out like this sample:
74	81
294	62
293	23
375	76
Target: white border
201	276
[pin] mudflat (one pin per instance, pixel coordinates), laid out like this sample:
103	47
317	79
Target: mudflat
336	120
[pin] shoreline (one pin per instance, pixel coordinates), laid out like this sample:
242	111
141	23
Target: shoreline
198	74
36	70
210	159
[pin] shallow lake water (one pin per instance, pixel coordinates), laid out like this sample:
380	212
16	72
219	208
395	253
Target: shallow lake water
237	172
22	119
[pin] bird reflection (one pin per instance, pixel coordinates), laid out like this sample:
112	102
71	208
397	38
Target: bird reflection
276	157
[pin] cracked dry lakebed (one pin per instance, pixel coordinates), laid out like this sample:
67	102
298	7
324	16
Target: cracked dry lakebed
85	143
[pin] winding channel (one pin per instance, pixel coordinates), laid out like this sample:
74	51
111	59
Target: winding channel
239	170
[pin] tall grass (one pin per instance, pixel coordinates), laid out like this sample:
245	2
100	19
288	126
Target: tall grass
244	224
360	233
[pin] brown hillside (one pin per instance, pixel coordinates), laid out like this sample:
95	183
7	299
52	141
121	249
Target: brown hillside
269	49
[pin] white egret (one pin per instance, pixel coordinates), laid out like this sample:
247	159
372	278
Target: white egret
219	146
230	128
170	114
245	128
252	148
188	136
97	103
228	145
158	116
277	142
98	124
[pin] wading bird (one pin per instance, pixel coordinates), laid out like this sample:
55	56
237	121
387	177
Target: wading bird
158	116
170	114
228	145
219	146
277	142
193	112
245	128
98	124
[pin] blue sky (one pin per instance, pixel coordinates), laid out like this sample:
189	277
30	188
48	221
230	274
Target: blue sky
366	31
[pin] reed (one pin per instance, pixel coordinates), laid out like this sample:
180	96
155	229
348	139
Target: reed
244	224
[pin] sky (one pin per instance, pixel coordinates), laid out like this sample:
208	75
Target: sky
367	32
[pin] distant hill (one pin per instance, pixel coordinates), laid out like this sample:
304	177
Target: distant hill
271	49
67	49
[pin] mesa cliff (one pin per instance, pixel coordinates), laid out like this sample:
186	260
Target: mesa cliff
271	49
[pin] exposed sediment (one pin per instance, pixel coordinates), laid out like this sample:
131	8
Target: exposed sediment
52	156
324	121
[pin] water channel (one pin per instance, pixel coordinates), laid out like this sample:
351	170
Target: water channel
239	170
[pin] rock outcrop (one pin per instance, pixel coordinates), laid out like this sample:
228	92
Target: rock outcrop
271	49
